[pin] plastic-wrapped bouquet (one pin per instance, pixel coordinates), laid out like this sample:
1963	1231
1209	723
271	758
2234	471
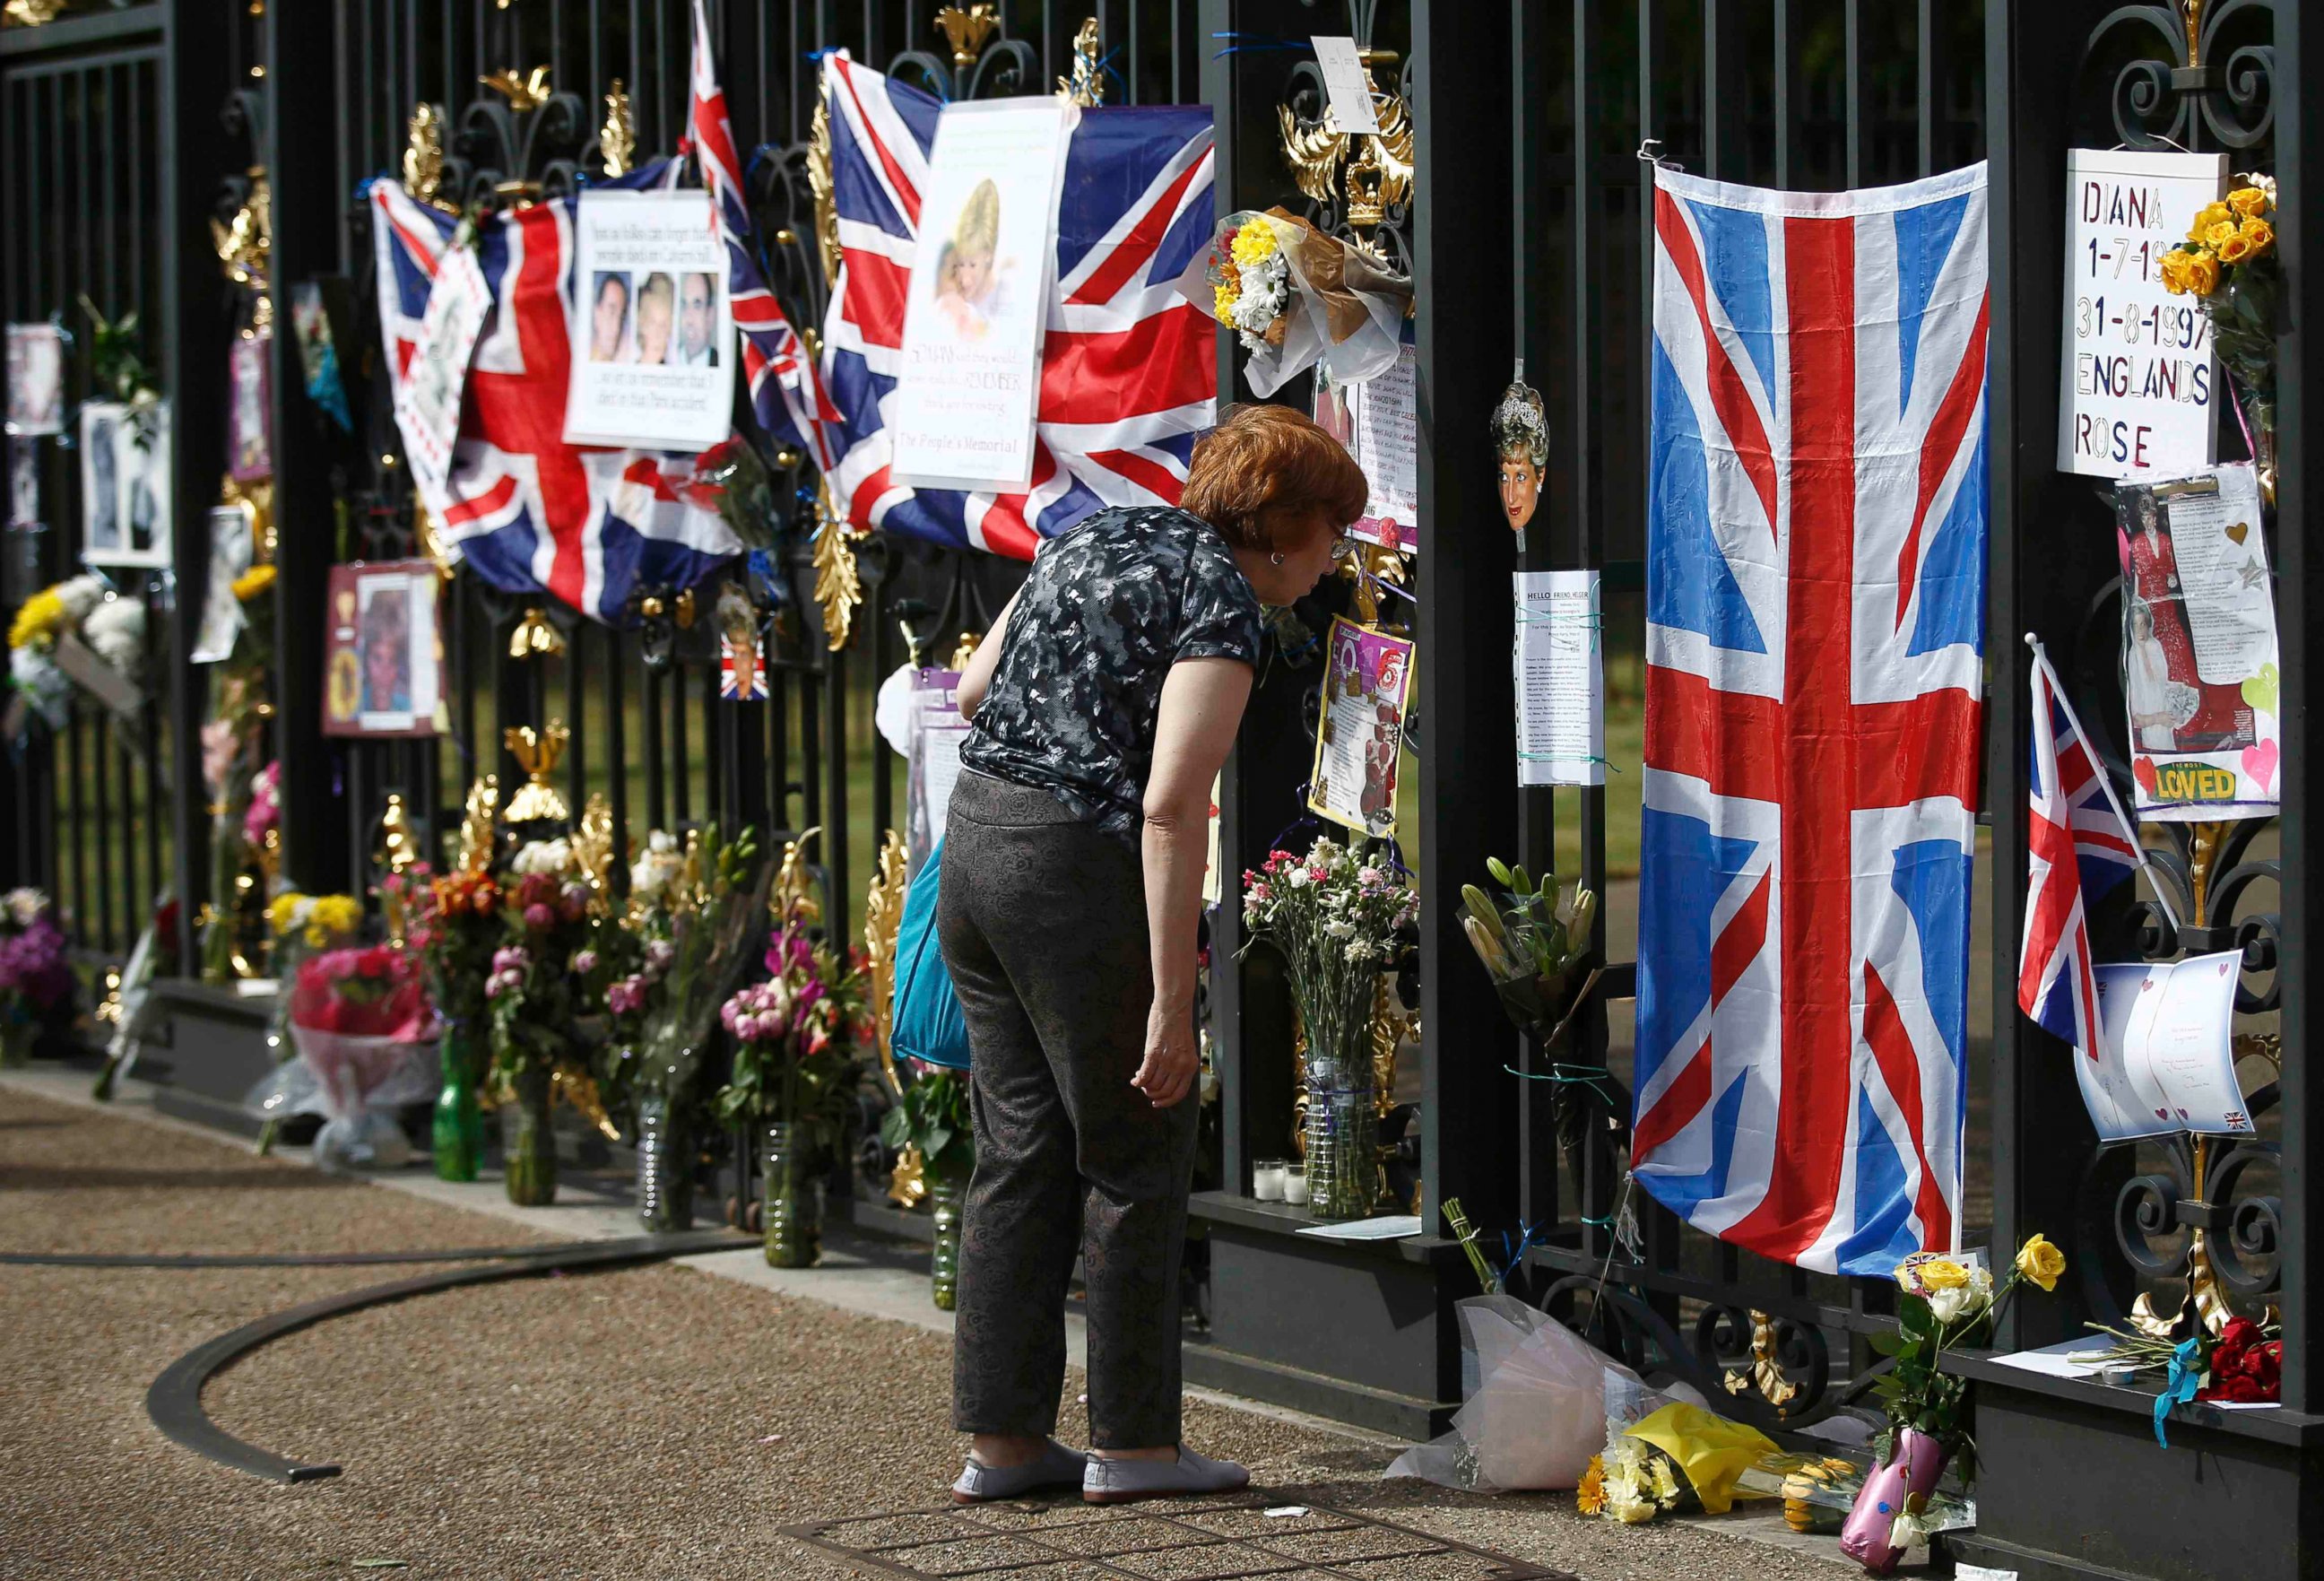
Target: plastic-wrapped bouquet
1295	296
358	1016
42	621
36	980
795	1036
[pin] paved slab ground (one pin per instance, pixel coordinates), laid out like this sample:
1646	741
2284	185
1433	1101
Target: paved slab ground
656	1422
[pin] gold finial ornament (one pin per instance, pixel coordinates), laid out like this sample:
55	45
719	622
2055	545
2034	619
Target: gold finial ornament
883	915
536	751
2190	12
907	1182
593	843
838	589
1371	565
423	155
1374	173
1086	85
617	139
963	651
827	206
524	94
398	851
791	898
967	29
244	244
476	836
535	637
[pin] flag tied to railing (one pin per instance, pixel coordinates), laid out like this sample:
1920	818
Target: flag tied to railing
1815	588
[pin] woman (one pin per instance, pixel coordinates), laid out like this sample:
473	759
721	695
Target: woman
968	286
1073	885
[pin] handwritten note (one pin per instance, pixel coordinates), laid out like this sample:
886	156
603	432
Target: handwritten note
2137	387
1560	680
1345	85
2166	1057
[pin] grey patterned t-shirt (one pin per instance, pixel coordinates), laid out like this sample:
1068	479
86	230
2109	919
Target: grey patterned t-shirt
1111	605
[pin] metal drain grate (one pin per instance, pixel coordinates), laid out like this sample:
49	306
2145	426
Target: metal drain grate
1215	1540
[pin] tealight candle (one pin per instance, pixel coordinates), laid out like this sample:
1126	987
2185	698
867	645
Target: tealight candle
1295	1183
1267	1180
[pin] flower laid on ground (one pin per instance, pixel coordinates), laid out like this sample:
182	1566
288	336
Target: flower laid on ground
369	991
264	814
1589	1497
1631	1482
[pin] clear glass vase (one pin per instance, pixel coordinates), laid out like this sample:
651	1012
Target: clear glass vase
791	1195
1342	1137
944	1194
458	1131
665	1165
528	1142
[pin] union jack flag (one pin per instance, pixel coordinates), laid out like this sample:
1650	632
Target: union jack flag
531	513
1815	591
2079	849
1128	368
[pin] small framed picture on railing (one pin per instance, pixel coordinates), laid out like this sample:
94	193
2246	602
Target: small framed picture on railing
124	483
383	650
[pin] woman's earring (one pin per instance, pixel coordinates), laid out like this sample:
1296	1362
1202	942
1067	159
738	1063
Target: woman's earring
1275	559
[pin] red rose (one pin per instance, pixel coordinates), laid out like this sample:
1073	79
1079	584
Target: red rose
2234	1388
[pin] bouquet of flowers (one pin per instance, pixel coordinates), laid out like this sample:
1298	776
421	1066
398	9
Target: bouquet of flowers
1338	917
36	980
1950	1297
1533	947
628	960
794	1037
263	818
2228	262
43	620
357	1015
528	992
1295	296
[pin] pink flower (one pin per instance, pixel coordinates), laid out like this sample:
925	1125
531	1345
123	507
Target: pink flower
586	962
539	917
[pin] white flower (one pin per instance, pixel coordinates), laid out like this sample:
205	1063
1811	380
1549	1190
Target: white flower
552	856
1360	950
115	632
79	595
1297	878
1962	1301
657	867
1908	1531
24	906
1339	930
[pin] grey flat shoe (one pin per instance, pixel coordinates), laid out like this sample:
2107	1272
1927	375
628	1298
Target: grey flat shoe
1123	1482
1059	1467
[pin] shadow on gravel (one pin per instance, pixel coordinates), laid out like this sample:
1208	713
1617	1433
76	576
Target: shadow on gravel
48	1177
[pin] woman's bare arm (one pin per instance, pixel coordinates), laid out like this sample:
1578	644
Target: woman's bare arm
1202	706
978	675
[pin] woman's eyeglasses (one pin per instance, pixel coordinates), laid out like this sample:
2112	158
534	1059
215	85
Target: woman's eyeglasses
1343	546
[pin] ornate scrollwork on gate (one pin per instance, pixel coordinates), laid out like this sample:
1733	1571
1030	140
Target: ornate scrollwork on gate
1783	1362
980	60
2215	78
527	144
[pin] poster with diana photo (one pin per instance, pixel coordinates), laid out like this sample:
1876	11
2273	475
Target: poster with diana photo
1360	733
2200	680
654	332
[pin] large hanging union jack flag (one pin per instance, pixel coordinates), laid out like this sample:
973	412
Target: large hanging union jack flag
1815	596
1127	364
531	513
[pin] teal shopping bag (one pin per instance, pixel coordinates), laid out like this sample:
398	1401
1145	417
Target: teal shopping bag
928	1023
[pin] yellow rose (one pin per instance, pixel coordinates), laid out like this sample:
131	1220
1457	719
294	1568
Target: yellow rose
2202	273
2251	202
2174	271
1941	1273
2041	1261
2210	216
2213	235
2260	235
2235	248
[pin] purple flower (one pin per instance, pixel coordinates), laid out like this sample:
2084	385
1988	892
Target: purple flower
539	917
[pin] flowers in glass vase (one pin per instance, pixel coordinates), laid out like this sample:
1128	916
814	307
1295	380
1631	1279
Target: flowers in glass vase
2229	263
1337	915
795	1037
1950	1298
545	915
696	932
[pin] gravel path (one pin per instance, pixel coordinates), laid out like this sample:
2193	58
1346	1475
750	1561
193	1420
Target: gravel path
648	1423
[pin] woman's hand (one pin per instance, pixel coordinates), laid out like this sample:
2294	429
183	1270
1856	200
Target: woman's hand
1167	1073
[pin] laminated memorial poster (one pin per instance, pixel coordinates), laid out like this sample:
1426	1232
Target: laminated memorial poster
1366	681
1560	680
232	543
427	397
125	481
654	332
938	733
2165	1057
36	379
2198	653
1377	422
970	368
382	651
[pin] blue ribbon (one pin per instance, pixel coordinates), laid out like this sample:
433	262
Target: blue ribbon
2186	1377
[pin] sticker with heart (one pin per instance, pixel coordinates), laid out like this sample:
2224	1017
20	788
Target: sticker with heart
2261	689
2239	530
2143	771
2259	764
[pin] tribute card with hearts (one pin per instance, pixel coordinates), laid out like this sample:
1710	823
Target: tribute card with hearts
2198	651
2165	1061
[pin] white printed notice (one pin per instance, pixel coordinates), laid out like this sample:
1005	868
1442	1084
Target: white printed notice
1560	680
1379	423
2200	678
1345	87
2166	1060
2138	380
969	380
653	333
938	733
428	402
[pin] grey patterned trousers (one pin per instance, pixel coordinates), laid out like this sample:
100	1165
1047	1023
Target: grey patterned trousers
1043	922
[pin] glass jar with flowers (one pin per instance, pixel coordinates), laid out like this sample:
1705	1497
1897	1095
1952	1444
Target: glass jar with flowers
2228	262
545	909
931	1119
36	980
1337	915
794	1036
459	926
1950	1299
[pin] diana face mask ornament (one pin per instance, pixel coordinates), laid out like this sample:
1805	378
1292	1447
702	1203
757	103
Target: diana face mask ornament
1520	429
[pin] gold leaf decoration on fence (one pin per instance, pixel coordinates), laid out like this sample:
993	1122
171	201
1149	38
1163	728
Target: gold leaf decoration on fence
536	751
617	139
1379	175
791	898
593	843
423	155
534	636
246	243
524	94
967	29
1766	1372
818	183
883	915
907	1182
1086	85
477	838
838	588
963	651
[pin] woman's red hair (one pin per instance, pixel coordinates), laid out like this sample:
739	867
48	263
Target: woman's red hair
1267	467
